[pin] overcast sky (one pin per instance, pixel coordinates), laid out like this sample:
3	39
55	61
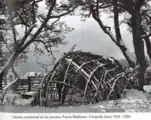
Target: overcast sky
87	36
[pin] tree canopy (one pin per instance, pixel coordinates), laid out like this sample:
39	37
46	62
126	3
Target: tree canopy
45	29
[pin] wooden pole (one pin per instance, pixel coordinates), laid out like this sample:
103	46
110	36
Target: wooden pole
29	84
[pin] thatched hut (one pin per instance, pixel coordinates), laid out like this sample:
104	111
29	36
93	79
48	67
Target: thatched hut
82	77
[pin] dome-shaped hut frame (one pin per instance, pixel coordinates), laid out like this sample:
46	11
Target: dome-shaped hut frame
81	77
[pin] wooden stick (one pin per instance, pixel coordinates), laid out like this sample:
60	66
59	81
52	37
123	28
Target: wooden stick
114	85
104	77
65	78
82	70
85	64
89	79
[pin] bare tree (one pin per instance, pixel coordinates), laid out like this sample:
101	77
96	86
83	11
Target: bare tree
47	29
146	26
148	46
134	8
3	57
118	33
95	7
137	41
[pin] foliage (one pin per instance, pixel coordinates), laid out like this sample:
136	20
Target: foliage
40	31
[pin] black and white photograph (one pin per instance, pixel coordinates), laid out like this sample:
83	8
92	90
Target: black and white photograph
75	56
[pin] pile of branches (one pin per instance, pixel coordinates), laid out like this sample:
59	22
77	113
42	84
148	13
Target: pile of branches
86	78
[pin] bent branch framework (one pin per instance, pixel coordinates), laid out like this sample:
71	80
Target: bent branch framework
82	78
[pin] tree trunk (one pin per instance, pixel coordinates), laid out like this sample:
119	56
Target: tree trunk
7	66
148	46
6	88
138	45
127	54
120	42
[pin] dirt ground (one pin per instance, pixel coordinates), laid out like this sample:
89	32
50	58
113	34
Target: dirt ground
132	101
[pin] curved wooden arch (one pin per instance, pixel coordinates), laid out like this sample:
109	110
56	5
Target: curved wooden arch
100	78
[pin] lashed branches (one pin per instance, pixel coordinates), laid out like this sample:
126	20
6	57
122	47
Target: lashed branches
114	83
90	78
65	79
82	70
47	80
105	80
